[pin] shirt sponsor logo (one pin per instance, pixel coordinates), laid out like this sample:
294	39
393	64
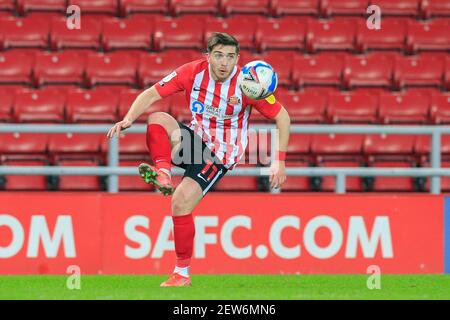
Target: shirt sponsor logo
210	111
197	107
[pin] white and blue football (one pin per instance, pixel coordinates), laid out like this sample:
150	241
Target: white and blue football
257	80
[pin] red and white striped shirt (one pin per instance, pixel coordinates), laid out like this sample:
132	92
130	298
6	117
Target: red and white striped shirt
220	112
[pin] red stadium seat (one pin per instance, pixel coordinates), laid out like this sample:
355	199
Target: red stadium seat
23	32
23	146
319	69
245	56
25	182
418	71
445	181
154	67
45	105
337	147
404	108
228	7
143	6
285	7
238	183
182	32
343	7
422	147
59	68
303	107
127	98
96	6
371	91
353	107
243	28
300	145
133	183
382	147
422	144
113	68
392	184
432	8
296	183
7	5
284	33
397	8
282	62
135	33
78	183
447	74
431	35
75	146
352	184
48	15
86	37
6	105
336	34
391	36
15	67
321	90
25	6
440	108
91	106
178	7
133	146
366	71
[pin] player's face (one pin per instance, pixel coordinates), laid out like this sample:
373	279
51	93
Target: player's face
222	60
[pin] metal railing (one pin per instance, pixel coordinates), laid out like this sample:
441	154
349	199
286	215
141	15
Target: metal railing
112	170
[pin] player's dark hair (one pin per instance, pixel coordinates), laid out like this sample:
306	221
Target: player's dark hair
222	38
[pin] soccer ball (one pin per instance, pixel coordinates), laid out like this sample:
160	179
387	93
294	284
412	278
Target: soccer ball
257	80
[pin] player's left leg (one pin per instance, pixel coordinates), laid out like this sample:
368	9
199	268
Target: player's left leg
186	196
196	183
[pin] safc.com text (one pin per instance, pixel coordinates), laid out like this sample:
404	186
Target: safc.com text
356	235
142	246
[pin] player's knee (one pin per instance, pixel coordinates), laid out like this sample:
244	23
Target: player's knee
179	204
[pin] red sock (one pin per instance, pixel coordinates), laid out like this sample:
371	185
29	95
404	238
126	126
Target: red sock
184	232
159	146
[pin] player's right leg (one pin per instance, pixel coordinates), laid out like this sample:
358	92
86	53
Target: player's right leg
163	136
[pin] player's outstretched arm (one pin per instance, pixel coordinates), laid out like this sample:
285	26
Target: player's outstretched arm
278	171
138	107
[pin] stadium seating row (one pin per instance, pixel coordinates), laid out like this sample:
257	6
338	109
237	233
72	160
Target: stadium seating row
311	148
379	151
424	8
153	32
137	69
106	105
236	183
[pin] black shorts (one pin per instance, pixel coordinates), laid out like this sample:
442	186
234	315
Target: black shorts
198	161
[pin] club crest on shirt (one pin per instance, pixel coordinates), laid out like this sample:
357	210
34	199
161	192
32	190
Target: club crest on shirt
234	100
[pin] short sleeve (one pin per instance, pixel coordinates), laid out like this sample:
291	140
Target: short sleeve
174	82
268	110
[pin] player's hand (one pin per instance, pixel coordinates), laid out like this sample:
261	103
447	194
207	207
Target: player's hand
277	174
118	127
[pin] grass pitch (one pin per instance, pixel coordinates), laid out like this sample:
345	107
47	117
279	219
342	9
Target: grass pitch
228	287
